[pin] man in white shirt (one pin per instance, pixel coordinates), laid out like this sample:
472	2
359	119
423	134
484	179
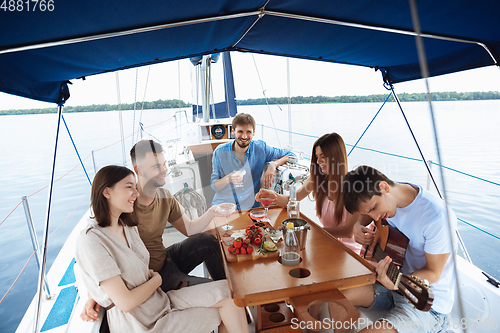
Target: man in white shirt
423	218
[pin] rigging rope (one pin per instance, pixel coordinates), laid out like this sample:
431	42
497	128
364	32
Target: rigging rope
391	154
17	278
12	211
366	129
142	105
29	259
135	101
267	102
120	118
76	150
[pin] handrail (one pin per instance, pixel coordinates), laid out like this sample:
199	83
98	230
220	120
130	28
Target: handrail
34	252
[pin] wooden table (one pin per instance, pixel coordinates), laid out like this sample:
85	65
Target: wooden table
331	264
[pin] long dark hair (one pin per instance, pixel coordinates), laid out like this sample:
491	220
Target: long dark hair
333	147
108	176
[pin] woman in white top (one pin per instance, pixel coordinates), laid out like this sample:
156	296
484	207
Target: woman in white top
114	267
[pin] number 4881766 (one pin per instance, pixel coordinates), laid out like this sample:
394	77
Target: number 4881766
27	5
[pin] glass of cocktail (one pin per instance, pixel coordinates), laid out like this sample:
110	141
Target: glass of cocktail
266	201
257	215
226	209
242	174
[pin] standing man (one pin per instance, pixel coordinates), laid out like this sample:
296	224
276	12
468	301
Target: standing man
154	207
422	217
237	166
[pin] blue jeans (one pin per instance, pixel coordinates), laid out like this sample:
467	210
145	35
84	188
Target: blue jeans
184	256
404	317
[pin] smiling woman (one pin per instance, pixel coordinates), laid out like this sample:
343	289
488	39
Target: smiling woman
114	266
117	185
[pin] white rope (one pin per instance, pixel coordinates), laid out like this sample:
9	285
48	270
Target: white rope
267	102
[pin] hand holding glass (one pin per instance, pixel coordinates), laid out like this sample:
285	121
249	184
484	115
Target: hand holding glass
266	201
240	173
226	209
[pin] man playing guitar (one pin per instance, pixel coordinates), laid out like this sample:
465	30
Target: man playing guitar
423	218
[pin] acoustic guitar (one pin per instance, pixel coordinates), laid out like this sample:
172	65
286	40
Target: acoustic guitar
389	241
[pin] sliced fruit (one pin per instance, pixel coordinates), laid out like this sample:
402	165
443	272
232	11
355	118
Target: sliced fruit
270	246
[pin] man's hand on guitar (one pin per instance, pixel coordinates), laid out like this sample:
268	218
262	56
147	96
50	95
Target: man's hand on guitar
381	269
363	235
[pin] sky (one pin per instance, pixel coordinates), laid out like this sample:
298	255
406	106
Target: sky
254	74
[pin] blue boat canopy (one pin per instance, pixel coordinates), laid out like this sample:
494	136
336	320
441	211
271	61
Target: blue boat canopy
41	51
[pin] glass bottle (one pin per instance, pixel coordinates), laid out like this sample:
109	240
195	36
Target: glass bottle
292	208
291	253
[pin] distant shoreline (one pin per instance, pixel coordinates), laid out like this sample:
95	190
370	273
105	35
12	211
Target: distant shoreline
173	103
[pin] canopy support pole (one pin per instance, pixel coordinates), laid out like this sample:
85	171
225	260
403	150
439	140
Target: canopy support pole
424	70
120	117
290	145
205	88
41	273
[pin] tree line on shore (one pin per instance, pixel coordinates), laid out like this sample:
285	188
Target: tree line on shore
175	103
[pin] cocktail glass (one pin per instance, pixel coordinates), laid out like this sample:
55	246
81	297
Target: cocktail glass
226	209
241	173
266	202
257	215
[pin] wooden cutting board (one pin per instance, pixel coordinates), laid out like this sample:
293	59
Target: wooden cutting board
255	255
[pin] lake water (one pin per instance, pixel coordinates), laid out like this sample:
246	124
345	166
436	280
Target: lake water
468	135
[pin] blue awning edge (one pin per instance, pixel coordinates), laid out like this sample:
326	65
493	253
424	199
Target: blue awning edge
41	51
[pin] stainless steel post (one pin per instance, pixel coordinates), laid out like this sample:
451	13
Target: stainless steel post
34	241
93	162
429	163
47	223
289	104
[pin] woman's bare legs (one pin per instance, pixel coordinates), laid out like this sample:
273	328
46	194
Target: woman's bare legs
233	317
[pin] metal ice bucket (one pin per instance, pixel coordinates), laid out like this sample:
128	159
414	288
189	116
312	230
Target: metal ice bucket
300	228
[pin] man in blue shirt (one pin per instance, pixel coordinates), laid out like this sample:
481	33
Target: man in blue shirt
237	166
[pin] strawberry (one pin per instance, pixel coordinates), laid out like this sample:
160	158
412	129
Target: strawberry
243	251
249	250
238	242
230	249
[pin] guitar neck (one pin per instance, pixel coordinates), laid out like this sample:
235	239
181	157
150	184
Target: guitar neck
393	272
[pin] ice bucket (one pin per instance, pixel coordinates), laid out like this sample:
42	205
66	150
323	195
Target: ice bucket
300	227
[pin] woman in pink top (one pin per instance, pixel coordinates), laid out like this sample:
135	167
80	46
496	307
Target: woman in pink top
328	167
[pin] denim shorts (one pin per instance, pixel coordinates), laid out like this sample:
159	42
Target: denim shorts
404	317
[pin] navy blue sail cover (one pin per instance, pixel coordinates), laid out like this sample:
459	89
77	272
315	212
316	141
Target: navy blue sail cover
40	51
